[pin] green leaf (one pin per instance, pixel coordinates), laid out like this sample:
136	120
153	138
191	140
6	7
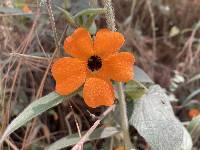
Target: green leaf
194	124
34	109
135	90
68	16
192	104
7	10
195	78
93	28
154	120
70	140
90	20
174	31
189	97
13	11
90	11
86	17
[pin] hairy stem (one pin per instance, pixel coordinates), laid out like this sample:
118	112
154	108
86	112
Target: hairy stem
110	17
53	26
123	117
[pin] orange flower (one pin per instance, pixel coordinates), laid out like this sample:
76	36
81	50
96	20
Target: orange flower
95	63
120	148
26	9
193	113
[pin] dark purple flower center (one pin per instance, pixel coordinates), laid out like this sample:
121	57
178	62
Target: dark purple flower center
94	63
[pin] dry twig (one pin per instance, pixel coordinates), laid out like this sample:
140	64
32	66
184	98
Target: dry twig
79	145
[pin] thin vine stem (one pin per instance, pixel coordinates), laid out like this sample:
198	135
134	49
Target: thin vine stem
110	18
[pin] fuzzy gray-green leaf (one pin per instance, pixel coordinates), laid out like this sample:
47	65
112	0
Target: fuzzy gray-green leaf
141	76
154	119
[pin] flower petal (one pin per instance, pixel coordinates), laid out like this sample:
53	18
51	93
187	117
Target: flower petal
107	42
79	44
120	66
98	92
69	73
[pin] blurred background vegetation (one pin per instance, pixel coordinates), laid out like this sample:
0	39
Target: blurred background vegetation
164	35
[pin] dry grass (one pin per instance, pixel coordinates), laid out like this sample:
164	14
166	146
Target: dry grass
27	49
